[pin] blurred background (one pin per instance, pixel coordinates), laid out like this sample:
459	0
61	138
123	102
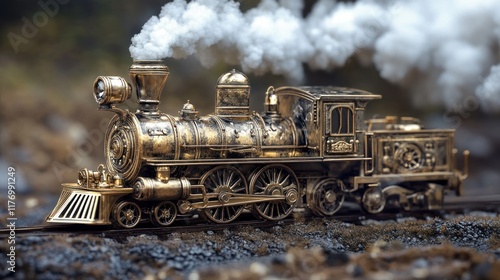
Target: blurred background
49	123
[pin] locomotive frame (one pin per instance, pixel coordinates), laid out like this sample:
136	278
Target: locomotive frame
310	149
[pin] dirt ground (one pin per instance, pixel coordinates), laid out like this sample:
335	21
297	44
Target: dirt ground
450	247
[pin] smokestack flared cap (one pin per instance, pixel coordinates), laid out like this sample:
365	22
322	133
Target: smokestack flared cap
149	78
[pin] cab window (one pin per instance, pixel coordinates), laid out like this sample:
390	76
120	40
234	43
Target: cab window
341	120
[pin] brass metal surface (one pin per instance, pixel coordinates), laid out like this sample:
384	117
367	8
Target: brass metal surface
310	149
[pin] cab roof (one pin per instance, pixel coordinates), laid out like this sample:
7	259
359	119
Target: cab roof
327	93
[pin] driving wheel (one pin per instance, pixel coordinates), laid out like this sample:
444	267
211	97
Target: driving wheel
224	181
275	180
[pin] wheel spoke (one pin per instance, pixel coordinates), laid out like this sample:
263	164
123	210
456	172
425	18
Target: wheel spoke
221	210
235	183
279	208
273	206
221	176
268	176
266	207
283	207
215	180
284	180
228	180
261	187
239	190
277	179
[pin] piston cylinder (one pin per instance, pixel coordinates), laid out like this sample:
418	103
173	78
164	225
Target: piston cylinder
148	189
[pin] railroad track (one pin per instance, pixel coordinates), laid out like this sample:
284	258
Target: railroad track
185	224
484	202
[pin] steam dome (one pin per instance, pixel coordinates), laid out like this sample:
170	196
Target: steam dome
233	95
233	79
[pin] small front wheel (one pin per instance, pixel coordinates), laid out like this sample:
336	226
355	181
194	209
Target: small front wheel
126	214
164	213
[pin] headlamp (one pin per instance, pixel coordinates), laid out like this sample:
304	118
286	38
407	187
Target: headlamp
111	90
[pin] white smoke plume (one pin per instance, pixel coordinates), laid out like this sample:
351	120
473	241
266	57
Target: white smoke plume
442	48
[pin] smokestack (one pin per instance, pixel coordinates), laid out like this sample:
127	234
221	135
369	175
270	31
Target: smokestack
149	77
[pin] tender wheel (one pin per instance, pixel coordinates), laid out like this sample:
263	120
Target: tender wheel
373	200
326	198
276	180
409	157
225	181
163	214
127	214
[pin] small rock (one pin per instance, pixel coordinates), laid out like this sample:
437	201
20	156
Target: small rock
483	271
258	268
336	259
355	270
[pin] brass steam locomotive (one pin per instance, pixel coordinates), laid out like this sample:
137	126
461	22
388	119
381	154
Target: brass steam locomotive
310	149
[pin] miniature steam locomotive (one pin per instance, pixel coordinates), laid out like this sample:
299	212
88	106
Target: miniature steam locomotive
310	149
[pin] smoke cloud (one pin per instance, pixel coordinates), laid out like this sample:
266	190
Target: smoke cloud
445	50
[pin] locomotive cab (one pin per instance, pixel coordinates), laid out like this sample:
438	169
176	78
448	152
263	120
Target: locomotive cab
332	115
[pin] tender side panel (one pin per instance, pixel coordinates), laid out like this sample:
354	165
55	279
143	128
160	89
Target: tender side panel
409	152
